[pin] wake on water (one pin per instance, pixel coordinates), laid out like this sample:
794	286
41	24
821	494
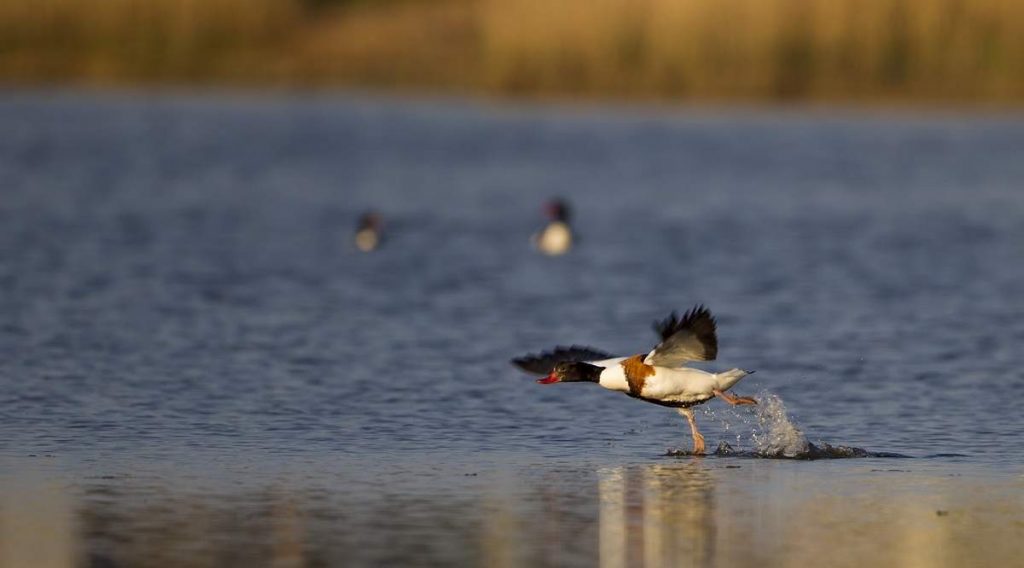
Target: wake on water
775	436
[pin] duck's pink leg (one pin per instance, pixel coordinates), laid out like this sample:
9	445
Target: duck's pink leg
698	439
732	399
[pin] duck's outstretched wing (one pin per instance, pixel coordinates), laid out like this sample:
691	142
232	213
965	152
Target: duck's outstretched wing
544	363
688	338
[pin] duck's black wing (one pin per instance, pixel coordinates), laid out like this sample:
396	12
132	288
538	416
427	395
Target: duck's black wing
691	337
543	363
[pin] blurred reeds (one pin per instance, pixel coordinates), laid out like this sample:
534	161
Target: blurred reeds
130	41
955	49
938	50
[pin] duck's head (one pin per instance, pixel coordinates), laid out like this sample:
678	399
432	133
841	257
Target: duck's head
573	372
557	210
370	220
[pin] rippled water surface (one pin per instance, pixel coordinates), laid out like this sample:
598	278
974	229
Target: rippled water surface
197	368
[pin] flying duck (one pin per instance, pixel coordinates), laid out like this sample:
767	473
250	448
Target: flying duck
556	237
659	376
368	229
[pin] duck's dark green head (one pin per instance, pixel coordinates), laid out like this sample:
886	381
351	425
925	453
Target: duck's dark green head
573	372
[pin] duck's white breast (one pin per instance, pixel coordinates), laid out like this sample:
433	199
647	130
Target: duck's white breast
556	238
614	376
366	240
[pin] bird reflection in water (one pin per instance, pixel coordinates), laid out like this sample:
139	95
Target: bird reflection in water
658	515
663	514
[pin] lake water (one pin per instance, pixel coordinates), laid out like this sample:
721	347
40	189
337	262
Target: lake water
197	368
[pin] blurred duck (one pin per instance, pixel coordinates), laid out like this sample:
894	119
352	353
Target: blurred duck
659	376
368	231
556	237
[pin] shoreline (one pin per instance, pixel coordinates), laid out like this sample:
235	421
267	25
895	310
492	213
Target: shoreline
565	106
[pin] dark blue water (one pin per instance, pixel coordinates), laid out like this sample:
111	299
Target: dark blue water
179	291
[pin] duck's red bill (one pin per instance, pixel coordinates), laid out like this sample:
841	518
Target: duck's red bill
548	379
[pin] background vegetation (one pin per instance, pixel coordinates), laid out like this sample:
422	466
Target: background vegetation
891	50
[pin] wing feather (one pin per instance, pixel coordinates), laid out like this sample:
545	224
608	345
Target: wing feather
691	337
543	363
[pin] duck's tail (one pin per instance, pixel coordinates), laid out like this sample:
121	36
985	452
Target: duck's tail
729	378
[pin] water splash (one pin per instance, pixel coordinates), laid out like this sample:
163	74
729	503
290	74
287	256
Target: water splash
767	427
775	434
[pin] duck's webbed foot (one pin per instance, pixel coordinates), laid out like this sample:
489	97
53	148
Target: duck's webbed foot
733	399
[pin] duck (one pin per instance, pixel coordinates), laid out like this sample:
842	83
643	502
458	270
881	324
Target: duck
556	237
368	232
658	376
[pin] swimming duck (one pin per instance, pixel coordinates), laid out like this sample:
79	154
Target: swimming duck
556	237
659	376
368	229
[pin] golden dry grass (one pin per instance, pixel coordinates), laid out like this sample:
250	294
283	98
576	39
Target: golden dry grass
141	40
910	50
935	49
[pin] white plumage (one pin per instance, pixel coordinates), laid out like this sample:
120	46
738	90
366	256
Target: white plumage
683	385
554	239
